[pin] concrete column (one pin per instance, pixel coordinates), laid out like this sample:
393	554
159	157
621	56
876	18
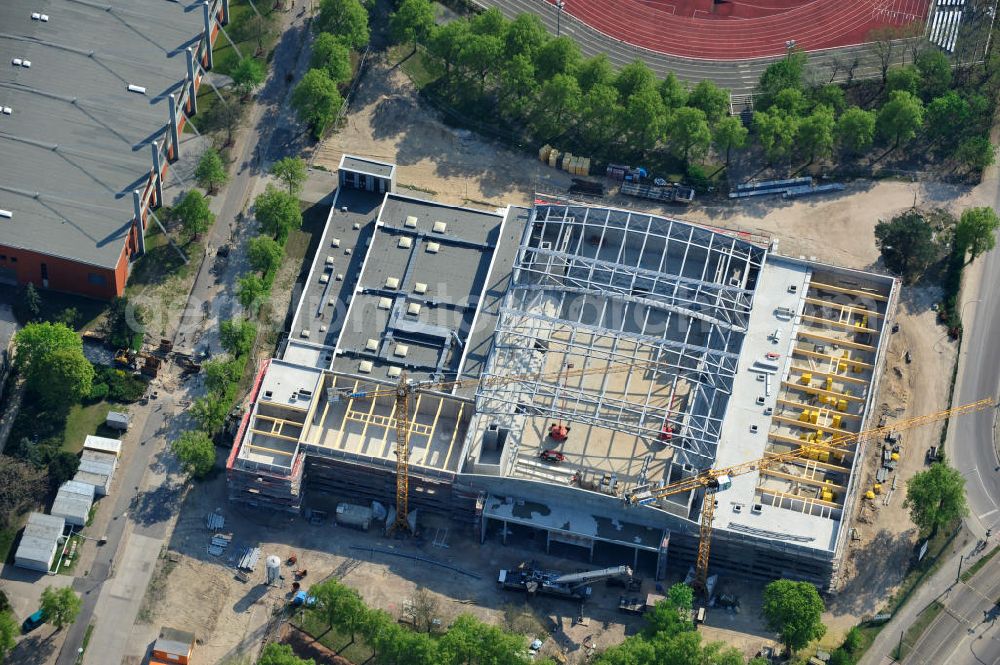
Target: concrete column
174	132
158	177
140	232
206	11
225	12
504	532
192	108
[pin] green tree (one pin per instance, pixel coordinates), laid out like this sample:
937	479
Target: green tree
976	230
332	56
31	302
524	36
62	467
211	172
125	324
480	55
776	131
599	116
220	374
633	78
936	498
194	215
9	630
935	73
35	341
900	117
63	377
672	92
292	172
633	651
557	56
237	336
688	133
347	19
793	610
644	119
975	153
250	291
562	105
729	133
840	657
518	85
790	100
711	99
20	486
681	596
60	607
281	654
815	135
905	78
856	130
593	71
278	212
788	72
412	22
210	413
907	244
947	117
69	317
446	41
831	95
264	254
317	101
196	452
248	76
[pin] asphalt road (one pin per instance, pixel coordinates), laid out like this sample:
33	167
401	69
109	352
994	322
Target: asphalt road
965	632
739	77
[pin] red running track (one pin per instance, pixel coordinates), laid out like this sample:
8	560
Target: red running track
742	29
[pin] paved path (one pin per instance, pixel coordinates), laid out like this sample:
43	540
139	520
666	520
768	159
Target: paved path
149	493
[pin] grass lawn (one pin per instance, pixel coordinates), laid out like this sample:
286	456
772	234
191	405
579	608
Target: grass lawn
310	622
161	261
917	628
421	69
8	536
225	57
88	310
86	641
66	566
85	419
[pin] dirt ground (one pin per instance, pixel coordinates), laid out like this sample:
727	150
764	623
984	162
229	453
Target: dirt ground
388	122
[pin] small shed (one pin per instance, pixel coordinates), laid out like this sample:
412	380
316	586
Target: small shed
104	445
39	542
172	646
73	502
118	420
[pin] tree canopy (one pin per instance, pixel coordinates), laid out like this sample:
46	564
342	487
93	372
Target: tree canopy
264	254
20	484
855	130
193	213
248	75
196	452
901	117
316	100
50	355
36	340
211	172
281	654
250	291
976	230
936	497
793	610
237	336
332	56
9	630
412	22
60	607
907	244
346	19
292	172
278	212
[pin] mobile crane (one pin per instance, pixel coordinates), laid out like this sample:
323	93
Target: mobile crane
713	481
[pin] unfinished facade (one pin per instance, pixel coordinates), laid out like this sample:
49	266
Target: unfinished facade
657	348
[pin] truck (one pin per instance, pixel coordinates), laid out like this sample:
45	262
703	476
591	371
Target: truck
528	577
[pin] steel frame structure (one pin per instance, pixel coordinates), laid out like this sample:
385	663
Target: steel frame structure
667	297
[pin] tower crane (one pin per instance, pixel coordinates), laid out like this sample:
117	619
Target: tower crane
718	480
402	390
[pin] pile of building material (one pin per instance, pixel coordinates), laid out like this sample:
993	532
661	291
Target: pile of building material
248	559
215	521
568	162
219	543
789	188
672	193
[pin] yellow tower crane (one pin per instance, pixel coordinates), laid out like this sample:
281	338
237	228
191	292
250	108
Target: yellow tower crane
717	480
405	387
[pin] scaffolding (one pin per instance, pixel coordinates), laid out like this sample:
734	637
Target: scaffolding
600	286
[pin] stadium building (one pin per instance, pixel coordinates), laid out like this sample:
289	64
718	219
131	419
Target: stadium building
662	348
93	99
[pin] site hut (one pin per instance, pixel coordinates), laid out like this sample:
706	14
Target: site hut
118	420
73	502
665	348
93	101
40	542
172	647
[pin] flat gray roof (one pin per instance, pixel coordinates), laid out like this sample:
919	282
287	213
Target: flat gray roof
77	142
40	537
420	287
365	165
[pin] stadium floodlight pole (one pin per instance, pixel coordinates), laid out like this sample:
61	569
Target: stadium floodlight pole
559	8
789	45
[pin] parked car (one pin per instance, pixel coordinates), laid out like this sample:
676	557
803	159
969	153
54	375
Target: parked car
32	622
552	456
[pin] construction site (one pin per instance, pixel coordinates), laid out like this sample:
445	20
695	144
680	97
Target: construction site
556	371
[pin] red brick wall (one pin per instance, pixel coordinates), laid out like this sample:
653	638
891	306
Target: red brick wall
66	275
